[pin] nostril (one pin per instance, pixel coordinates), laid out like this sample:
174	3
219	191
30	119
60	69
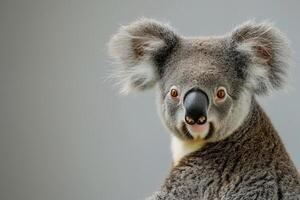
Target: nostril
189	120
201	120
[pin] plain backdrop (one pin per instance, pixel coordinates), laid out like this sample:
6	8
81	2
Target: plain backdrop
66	133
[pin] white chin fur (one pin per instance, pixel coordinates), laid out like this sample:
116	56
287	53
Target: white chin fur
181	148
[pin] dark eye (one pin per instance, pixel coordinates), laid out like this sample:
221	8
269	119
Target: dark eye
174	92
221	93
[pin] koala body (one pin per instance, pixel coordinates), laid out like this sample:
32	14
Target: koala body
223	144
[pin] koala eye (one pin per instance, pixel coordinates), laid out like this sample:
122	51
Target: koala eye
174	92
221	93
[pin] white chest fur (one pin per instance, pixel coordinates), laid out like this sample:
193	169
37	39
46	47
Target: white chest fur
182	148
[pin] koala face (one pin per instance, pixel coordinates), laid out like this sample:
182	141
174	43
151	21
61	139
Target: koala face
205	84
199	83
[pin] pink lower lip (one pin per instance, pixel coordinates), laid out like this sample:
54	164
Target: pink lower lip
198	128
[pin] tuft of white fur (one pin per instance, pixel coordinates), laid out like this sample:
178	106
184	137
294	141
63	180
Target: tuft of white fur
120	46
145	35
181	148
263	75
143	69
120	49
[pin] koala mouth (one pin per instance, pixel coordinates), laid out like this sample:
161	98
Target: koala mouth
189	136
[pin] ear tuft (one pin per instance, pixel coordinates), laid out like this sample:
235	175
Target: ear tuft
268	53
137	47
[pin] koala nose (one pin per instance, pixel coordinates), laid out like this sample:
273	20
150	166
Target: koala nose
195	103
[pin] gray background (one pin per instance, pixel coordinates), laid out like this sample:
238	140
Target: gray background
65	133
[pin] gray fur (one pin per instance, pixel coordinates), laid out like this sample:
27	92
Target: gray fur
250	164
243	156
268	49
145	42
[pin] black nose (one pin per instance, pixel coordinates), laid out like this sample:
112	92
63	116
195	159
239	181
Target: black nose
196	104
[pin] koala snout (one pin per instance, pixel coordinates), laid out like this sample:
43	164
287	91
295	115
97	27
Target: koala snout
195	103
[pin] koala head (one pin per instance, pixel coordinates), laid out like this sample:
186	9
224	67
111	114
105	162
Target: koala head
206	84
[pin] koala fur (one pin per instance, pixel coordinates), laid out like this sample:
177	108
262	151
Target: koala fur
237	154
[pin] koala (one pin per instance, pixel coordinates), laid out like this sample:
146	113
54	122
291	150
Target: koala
223	144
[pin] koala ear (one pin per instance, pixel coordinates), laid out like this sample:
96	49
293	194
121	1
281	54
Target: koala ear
267	53
141	48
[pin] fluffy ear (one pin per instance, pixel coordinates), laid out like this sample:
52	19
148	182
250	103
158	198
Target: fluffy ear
141	49
267	52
